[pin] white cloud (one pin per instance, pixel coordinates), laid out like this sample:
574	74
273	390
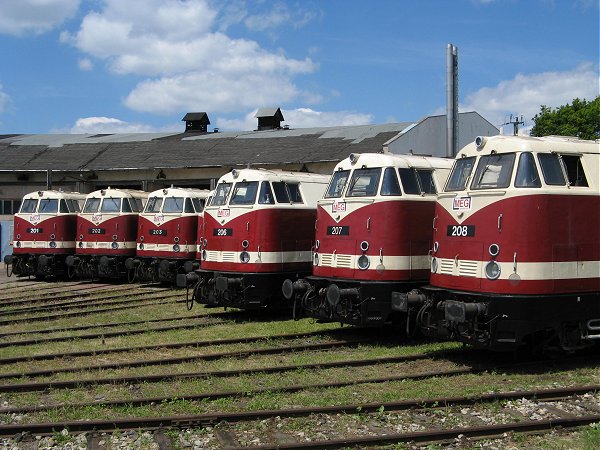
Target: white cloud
85	64
187	65
93	125
20	17
525	93
301	118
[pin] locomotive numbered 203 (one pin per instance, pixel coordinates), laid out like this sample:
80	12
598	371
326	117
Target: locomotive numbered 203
44	233
167	234
516	252
373	235
258	231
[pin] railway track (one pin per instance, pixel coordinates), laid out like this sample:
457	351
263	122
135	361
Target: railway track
435	434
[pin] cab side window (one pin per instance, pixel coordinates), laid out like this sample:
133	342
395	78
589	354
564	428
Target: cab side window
574	169
527	173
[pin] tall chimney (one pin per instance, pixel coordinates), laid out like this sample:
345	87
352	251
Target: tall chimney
451	101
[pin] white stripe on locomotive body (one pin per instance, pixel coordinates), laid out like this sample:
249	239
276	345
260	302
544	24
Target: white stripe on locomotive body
481	199
342	261
183	248
260	257
46	244
527	271
106	245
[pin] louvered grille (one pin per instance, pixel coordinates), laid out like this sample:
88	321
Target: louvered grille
467	268
228	256
446	266
327	260
344	261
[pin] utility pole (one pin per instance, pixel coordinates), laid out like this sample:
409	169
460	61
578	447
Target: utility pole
515	123
451	101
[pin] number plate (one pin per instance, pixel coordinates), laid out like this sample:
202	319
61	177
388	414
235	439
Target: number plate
34	230
157	232
96	231
338	230
461	230
222	231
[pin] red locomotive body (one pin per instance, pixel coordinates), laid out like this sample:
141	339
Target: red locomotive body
372	237
44	233
107	230
167	233
516	253
258	230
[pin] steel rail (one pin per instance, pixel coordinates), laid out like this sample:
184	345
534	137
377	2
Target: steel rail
204	343
80	313
109	334
85	303
210	419
85	291
182	359
72	384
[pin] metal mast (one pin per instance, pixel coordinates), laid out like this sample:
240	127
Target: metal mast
451	101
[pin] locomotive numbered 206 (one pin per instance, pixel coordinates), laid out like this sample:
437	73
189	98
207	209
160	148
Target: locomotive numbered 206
44	233
167	234
373	235
258	231
106	233
516	252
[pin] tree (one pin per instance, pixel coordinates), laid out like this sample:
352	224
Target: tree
580	119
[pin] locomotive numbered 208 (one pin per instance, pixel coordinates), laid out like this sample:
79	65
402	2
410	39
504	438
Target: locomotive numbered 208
516	252
167	234
106	233
44	233
258	231
373	235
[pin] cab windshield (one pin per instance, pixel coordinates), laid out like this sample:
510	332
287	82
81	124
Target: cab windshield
244	193
91	205
364	182
111	205
493	171
153	204
221	194
48	206
461	171
29	205
337	184
173	205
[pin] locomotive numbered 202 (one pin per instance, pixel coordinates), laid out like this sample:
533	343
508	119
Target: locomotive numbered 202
516	252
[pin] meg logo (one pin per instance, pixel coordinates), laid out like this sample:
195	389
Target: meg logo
461	204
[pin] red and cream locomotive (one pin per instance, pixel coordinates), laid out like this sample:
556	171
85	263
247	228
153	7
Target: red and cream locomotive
516	252
167	234
258	231
44	233
373	235
106	232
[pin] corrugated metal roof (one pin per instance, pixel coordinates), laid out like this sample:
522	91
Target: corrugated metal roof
76	152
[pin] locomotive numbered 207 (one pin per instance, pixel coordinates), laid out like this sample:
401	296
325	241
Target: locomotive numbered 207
44	233
167	234
258	231
106	233
373	235
516	252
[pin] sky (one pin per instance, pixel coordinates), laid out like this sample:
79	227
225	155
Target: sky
116	66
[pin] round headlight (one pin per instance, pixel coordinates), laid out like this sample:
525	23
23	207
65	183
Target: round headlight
492	270
245	243
317	244
316	259
80	244
434	265
18	236
364	246
81	237
204	242
52	244
244	257
141	246
142	238
176	248
176	239
494	249
115	237
363	262
114	246
52	237
203	255
18	243
436	246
